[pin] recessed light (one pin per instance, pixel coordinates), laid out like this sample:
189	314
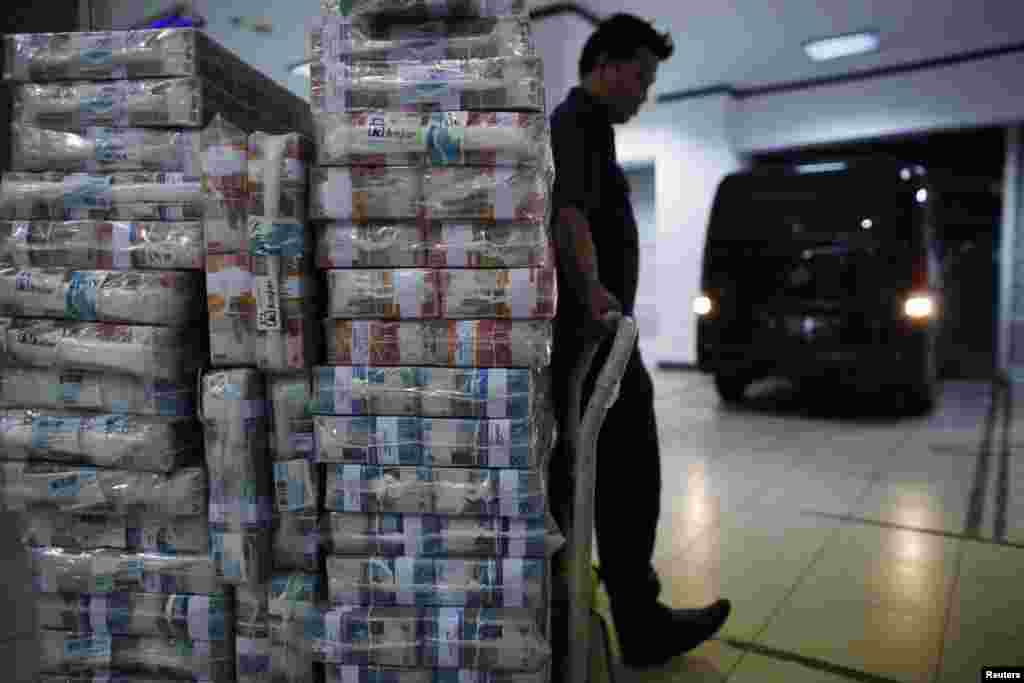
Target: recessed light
841	46
826	167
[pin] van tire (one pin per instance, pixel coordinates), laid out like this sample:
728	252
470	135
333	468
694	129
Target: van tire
921	396
731	388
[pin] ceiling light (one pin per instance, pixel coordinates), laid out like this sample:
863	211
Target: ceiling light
841	46
299	69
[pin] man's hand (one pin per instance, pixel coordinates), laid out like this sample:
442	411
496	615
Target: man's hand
600	302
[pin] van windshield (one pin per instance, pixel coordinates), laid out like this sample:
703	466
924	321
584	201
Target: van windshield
837	207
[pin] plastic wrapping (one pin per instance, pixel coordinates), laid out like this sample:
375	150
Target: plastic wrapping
104	149
497	84
154	353
231	305
74	106
103	245
507	294
433	245
278	177
364	194
297	542
189	617
236	428
292	422
210	661
439	442
96	391
128	442
168	536
285	290
454	138
124	196
252	97
514	293
451	637
73	532
406	9
487	194
225	176
435	490
294	591
481	393
430	582
369	40
263	656
133	297
296	485
389	294
56	570
372	674
393	535
446	343
70	488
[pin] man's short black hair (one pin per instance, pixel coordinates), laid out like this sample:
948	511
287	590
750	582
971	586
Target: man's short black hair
619	38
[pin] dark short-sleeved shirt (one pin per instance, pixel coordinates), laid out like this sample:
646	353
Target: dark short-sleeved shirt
588	177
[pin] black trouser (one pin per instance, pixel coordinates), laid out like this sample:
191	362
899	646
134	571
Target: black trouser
628	477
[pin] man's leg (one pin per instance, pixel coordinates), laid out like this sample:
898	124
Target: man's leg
629	491
627	507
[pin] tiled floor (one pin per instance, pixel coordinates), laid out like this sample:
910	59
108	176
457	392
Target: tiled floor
854	546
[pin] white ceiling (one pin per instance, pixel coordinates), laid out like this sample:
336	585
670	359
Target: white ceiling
754	43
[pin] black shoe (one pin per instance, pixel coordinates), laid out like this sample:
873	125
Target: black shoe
666	633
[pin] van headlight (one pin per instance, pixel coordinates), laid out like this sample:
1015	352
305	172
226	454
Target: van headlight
702	305
919	307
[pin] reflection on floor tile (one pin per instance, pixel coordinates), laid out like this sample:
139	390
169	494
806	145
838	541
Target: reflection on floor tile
901	645
975	641
918	506
990	594
894	569
756	668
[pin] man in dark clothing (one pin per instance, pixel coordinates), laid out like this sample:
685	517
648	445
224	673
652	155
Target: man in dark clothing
598	257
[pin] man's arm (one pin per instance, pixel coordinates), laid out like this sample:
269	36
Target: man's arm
578	260
577	189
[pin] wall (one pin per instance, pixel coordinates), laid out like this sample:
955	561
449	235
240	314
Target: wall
687	141
559	40
978	93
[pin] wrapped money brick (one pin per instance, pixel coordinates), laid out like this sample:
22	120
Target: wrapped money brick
122	196
104	150
366	193
278	177
409	10
336	673
236	428
224	180
440	138
191	617
104	392
56	570
102	245
155	353
73	488
458	193
429	582
435	490
297	542
405	294
499	83
166	298
433	245
444	442
128	442
448	637
393	535
446	343
292	421
296	485
231	304
66	651
367	39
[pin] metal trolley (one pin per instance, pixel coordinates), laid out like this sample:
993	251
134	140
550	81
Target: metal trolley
586	658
